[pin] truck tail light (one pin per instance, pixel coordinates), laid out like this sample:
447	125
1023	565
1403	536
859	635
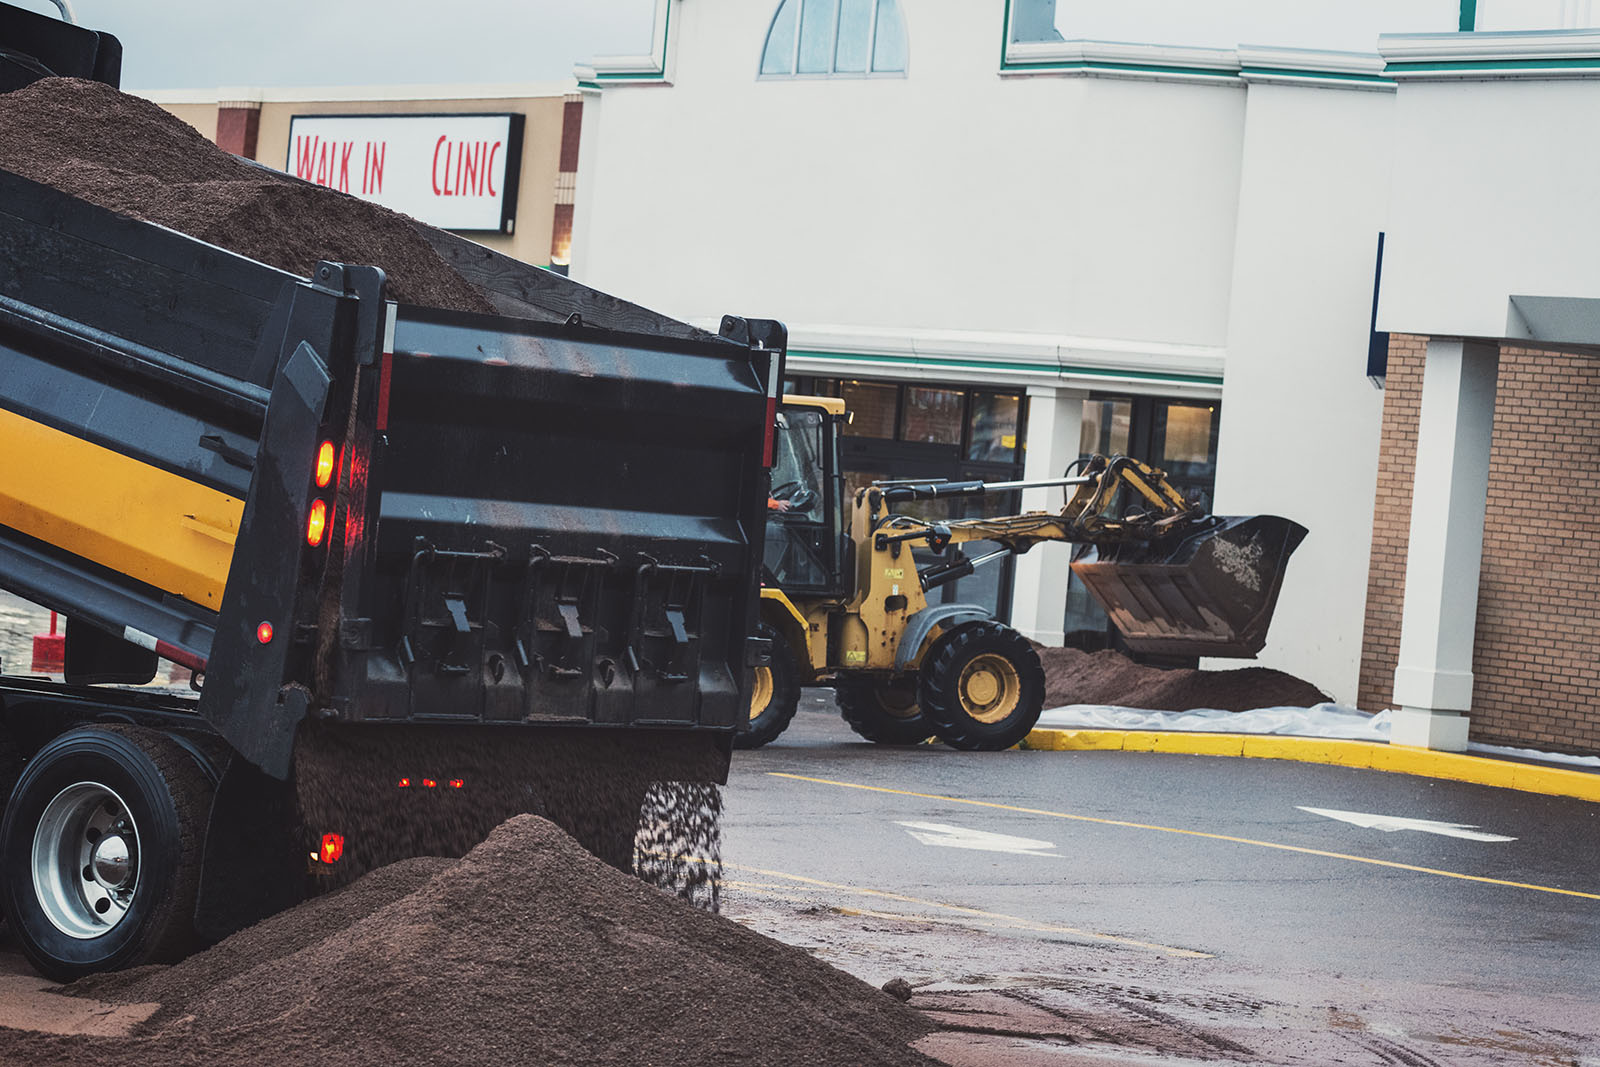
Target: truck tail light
332	848
317	523
324	464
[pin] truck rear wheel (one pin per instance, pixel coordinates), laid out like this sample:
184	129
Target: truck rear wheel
884	712
774	694
982	687
101	848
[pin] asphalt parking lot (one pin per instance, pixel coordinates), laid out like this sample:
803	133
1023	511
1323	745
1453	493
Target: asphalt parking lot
1185	876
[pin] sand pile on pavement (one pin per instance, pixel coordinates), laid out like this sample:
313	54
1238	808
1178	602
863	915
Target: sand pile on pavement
526	951
128	155
1108	677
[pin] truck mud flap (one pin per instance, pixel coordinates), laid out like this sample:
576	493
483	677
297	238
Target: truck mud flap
1209	593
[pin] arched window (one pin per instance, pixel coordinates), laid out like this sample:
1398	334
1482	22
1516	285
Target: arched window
835	37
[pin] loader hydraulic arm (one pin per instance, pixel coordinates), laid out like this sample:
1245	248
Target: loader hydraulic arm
1090	514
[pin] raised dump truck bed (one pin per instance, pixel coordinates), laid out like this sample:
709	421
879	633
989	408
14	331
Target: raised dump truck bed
467	532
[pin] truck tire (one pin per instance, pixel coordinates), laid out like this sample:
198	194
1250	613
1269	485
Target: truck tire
982	687
774	694
100	851
885	713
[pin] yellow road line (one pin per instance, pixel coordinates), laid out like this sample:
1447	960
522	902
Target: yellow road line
1193	833
976	913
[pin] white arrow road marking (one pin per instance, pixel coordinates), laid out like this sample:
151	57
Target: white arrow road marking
933	833
1391	823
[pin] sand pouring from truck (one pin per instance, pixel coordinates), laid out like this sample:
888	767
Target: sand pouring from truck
847	605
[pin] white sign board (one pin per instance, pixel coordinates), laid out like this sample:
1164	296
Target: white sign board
456	172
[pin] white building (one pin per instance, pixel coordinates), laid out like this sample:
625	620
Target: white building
1165	248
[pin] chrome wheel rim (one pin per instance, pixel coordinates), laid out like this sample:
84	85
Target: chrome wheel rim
86	860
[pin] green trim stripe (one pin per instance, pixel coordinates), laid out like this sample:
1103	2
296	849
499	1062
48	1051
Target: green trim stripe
970	364
1588	63
1288	72
1136	68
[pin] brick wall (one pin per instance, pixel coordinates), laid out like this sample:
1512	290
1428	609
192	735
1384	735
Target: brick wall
1391	521
1536	661
1536	664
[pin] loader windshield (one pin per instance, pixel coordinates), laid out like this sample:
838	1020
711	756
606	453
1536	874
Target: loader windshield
801	518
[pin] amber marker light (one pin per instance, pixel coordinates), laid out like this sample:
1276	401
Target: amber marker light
332	848
324	464
317	524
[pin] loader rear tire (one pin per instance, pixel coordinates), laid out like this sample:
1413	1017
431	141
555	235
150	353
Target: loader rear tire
982	687
774	694
885	713
100	851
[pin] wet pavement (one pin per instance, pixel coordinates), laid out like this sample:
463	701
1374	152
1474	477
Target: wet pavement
1123	907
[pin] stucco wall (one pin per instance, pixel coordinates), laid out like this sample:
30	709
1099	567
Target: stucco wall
1300	419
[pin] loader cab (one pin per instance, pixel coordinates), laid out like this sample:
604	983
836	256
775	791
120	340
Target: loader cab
805	544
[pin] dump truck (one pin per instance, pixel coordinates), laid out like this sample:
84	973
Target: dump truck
428	568
845	604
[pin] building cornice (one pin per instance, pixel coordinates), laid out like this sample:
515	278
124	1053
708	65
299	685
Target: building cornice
1477	56
1220	66
1006	358
654	68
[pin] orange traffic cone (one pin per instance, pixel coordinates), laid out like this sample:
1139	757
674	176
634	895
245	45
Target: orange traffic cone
50	651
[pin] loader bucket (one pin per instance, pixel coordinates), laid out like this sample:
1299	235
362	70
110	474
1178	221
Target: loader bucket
1210	592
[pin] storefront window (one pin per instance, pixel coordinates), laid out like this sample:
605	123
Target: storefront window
871	407
1106	427
933	416
994	428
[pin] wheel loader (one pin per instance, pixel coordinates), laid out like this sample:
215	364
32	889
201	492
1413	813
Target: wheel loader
845	605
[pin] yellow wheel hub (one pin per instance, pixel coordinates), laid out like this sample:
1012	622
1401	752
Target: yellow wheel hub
990	688
761	692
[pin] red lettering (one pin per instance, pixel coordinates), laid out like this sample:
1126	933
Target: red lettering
305	157
344	166
322	166
377	167
489	168
436	146
471	183
461	151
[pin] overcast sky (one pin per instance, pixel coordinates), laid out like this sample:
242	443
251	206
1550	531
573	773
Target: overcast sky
179	44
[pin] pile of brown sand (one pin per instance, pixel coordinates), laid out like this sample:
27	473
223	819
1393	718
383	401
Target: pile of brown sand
126	154
526	951
1110	678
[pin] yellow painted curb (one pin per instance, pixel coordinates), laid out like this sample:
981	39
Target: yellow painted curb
1371	755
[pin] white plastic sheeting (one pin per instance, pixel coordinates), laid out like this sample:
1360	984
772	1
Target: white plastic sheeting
1323	720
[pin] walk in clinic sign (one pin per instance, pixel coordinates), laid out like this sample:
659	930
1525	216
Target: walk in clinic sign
456	172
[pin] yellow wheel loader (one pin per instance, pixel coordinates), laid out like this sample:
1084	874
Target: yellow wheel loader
844	603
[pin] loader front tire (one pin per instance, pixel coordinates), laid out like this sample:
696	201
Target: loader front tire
982	687
774	694
100	851
885	713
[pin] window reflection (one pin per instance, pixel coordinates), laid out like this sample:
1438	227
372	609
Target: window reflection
835	37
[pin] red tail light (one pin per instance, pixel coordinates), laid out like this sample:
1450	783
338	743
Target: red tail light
428	783
405	783
317	524
264	633
324	464
332	848
456	783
